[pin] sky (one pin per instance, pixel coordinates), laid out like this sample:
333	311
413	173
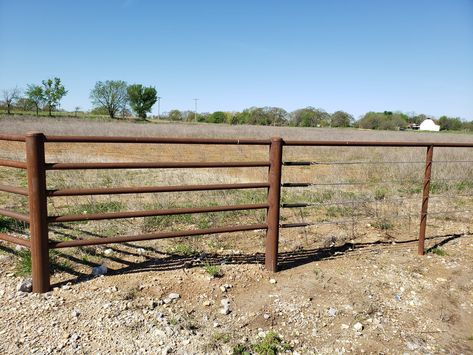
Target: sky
414	56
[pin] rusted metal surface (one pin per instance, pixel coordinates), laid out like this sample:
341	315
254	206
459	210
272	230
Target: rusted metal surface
12	137
149	213
15	240
425	199
12	164
38	211
154	189
151	236
295	143
159	140
14	190
274	198
15	215
156	165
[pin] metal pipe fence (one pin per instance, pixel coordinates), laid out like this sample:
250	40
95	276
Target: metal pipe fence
38	194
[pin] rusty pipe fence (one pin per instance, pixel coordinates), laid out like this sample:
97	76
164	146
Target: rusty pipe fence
38	193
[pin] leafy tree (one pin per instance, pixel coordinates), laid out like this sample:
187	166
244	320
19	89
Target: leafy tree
10	96
450	124
53	92
111	94
341	119
175	115
382	120
310	117
217	117
141	99
35	95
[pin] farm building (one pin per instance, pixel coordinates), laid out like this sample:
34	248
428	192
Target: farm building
429	125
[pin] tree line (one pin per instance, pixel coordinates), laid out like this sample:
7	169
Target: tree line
115	97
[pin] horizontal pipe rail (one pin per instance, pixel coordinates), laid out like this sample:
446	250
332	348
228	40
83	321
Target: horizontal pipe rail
15	215
153	189
150	213
12	164
14	190
161	235
307	163
295	143
15	240
159	140
12	137
156	165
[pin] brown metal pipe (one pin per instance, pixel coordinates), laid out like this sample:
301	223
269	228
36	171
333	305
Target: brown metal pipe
12	137
38	211
149	213
274	199
157	165
153	189
12	164
159	140
15	215
376	144
14	190
425	199
151	236
15	240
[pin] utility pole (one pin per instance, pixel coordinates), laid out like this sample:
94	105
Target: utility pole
195	110
159	106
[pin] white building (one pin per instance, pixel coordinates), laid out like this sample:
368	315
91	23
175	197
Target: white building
429	125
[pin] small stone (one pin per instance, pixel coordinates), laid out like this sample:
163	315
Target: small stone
225	311
261	334
207	303
99	270
225	302
272	281
75	313
344	326
266	316
332	312
216	325
174	296
108	252
25	286
358	326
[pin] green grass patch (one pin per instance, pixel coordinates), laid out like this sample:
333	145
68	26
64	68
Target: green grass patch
437	251
182	249
271	344
96	207
383	224
213	270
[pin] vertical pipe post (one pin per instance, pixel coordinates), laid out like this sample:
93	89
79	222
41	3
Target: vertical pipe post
274	202
425	199
35	161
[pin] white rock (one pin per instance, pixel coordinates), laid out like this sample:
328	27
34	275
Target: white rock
332	312
344	326
272	281
266	316
225	311
174	296
358	326
108	252
225	302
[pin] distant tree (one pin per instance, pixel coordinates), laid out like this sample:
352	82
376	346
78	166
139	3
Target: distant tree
381	120
341	119
450	124
53	92
10	96
310	117
35	95
111	94
175	115
24	104
100	110
141	99
217	117
76	110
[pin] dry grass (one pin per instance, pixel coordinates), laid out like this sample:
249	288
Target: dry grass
385	205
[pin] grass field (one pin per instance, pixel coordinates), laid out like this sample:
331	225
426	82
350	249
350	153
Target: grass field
354	197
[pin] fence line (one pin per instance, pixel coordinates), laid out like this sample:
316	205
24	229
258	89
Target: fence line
38	193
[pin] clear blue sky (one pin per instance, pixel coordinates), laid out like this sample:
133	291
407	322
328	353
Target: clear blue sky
357	56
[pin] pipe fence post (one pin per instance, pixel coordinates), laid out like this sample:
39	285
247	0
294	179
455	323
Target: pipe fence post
274	202
425	199
35	161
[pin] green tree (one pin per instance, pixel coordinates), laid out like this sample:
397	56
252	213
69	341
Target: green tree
53	92
341	119
141	99
35	95
175	115
111	94
310	117
217	117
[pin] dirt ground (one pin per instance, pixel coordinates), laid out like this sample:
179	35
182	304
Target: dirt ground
403	303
